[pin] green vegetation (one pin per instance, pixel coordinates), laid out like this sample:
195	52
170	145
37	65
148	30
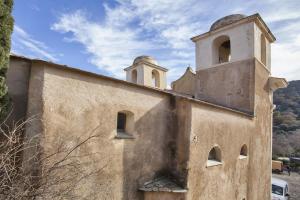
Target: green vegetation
6	27
286	121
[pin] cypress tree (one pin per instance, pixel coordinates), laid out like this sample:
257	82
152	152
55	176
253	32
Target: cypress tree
6	28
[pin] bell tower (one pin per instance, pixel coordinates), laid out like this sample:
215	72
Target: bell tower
234	38
145	71
226	60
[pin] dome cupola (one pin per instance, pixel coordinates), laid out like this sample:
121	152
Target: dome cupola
224	21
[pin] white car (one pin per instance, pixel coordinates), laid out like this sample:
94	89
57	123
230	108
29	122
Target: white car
280	189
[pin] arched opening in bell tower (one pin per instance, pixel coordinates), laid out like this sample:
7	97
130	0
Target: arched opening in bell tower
263	52
155	78
134	76
221	49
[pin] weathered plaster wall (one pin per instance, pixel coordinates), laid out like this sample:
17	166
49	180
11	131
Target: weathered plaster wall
230	132
34	128
229	84
186	84
183	127
17	81
172	134
236	178
261	138
75	104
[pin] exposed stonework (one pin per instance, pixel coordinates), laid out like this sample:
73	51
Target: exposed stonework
162	184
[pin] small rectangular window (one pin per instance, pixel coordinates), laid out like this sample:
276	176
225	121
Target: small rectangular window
124	125
121	122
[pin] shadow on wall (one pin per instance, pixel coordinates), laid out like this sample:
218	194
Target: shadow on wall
149	155
17	81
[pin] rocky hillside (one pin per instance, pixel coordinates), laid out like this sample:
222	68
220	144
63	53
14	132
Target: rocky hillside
286	122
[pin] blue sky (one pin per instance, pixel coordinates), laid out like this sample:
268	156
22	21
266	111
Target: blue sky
105	36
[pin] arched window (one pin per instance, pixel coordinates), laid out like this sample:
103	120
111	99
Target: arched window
125	124
134	76
214	156
221	49
263	53
155	78
244	151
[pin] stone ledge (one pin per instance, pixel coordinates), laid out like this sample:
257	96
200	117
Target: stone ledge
211	163
122	135
241	157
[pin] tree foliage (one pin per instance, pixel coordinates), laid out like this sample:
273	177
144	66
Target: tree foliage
6	28
286	121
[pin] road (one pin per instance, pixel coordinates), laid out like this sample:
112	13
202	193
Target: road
294	184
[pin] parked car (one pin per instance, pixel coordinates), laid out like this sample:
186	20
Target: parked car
280	189
295	160
277	166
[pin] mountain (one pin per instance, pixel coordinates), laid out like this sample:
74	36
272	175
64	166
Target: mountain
286	121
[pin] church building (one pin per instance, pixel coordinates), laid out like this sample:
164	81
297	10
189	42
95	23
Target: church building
209	137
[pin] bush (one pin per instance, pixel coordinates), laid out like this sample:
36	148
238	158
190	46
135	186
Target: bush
6	28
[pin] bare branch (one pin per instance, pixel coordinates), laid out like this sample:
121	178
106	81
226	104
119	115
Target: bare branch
53	176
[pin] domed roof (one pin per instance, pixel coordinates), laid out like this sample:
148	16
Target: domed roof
226	20
148	59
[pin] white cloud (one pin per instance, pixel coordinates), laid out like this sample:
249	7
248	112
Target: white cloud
115	43
285	60
162	28
283	17
111	48
23	43
276	11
